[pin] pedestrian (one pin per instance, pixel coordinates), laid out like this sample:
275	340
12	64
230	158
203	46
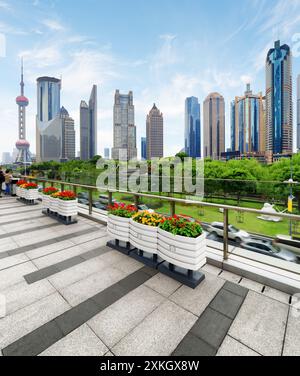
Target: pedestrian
8	177
2	181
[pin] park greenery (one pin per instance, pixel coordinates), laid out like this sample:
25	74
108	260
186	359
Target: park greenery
232	180
244	183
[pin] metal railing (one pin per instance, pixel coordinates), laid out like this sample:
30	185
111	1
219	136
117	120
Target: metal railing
172	202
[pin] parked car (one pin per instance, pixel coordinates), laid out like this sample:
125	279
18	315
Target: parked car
104	200
99	205
83	201
268	248
83	195
217	229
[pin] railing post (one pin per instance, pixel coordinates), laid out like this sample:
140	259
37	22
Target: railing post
110	198
172	208
225	236
62	187
136	202
90	201
75	190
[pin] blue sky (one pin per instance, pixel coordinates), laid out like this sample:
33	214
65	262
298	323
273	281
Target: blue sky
163	50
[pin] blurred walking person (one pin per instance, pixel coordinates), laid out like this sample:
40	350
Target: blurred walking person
2	181
8	177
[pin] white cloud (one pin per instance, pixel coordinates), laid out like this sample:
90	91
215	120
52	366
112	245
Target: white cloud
53	25
8	29
42	57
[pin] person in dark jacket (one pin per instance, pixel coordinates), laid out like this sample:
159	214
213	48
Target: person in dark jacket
2	180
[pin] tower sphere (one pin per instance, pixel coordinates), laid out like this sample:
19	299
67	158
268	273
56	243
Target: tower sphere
22	144
22	101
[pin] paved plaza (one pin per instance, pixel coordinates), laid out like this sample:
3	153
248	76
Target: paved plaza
66	293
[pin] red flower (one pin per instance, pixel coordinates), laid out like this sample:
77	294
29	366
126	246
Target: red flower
21	182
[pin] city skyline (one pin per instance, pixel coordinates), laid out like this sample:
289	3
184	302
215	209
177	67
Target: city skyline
155	71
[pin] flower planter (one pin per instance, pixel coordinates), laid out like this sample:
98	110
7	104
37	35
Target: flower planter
184	252
31	194
18	191
53	204
45	202
118	228
22	193
143	237
68	208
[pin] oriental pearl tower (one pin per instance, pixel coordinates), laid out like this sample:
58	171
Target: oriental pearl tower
24	155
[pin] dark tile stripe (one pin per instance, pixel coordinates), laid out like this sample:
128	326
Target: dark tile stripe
44	243
26	219
208	333
31	229
64	265
47	335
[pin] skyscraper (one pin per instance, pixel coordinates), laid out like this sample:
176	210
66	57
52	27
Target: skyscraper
48	121
68	136
298	112
22	144
214	126
124	129
106	153
192	128
88	127
279	101
155	133
84	131
144	148
247	123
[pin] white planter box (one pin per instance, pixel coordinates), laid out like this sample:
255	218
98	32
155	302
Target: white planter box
45	201
188	253
31	194
143	237
118	228
53	204
22	192
18	191
68	208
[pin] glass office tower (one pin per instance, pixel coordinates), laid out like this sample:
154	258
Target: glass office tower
124	128
247	123
214	126
48	121
192	128
279	101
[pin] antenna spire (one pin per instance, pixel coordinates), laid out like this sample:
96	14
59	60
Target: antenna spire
22	77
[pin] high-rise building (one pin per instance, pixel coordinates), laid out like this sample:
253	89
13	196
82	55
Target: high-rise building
298	112
279	101
144	148
88	127
155	133
22	144
48	121
84	131
214	126
192	128
247	123
124	129
68	136
6	158
106	153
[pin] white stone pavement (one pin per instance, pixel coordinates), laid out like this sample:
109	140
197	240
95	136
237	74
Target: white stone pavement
152	318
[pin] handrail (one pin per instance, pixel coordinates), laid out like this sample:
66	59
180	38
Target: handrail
172	201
